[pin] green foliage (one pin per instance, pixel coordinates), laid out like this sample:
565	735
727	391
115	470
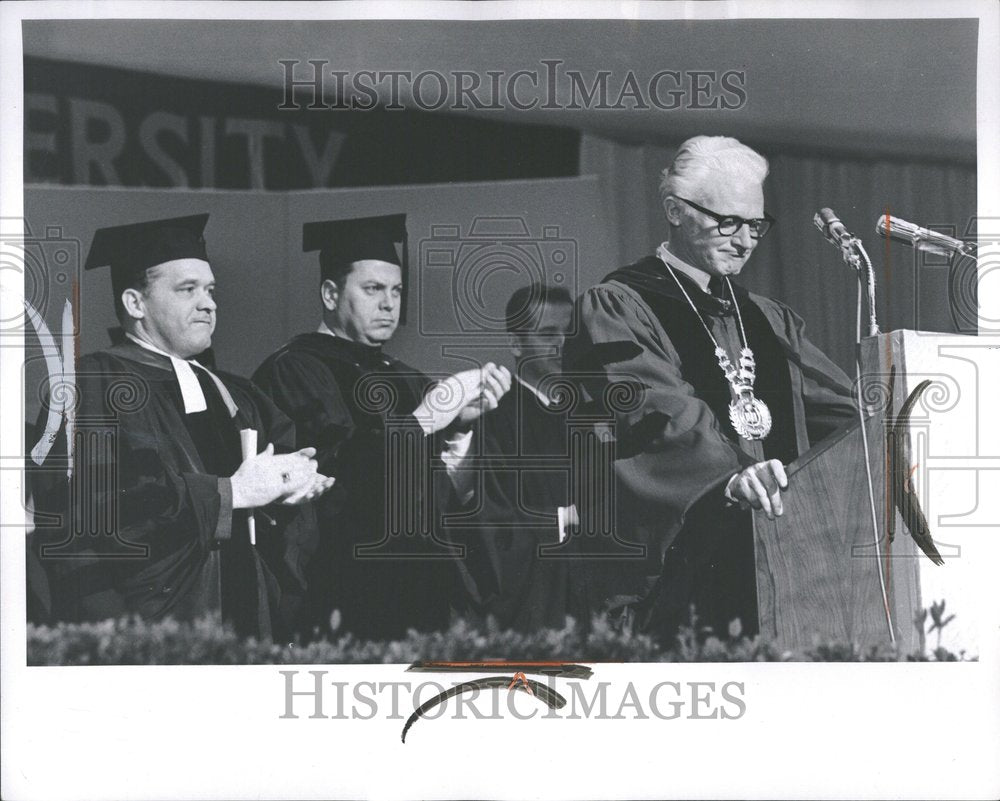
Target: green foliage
207	641
937	624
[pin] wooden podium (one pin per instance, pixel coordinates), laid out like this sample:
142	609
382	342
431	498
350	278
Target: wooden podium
825	571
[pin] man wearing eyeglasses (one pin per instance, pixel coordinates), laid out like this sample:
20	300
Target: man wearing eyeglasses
729	391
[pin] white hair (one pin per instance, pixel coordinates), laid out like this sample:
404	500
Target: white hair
701	155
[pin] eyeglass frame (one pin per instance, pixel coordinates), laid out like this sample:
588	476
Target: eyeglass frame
720	218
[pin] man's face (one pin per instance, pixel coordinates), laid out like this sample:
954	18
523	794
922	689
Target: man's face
178	307
540	350
697	239
368	304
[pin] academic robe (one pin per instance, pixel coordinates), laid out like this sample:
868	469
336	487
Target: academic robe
378	564
147	525
675	447
525	476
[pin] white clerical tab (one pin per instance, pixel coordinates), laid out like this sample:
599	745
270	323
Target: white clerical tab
191	392
226	397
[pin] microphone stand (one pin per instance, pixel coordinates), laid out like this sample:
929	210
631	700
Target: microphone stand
853	252
854	255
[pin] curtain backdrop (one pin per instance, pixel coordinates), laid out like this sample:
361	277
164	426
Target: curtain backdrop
794	263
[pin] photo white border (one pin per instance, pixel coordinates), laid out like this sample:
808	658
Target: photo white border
810	730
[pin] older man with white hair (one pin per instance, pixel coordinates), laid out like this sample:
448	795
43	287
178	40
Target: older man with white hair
729	391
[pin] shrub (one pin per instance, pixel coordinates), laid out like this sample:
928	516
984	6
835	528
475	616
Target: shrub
209	641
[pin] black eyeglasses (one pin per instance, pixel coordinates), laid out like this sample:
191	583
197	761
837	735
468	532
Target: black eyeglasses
729	224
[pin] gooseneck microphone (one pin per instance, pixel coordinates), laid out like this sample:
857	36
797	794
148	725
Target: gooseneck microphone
853	252
831	227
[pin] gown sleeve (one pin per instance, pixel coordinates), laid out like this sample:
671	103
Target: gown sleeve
307	391
152	515
669	448
826	389
287	535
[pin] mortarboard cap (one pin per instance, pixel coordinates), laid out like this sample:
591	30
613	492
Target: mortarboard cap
342	242
132	249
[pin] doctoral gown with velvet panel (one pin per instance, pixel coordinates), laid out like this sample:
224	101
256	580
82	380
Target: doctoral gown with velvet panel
516	570
675	448
354	404
152	482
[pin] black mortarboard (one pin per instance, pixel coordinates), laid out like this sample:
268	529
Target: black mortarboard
341	242
132	249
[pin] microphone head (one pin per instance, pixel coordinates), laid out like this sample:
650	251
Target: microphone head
829	225
827	216
922	239
894	228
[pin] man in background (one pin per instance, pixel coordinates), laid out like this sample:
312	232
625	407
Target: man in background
516	570
388	432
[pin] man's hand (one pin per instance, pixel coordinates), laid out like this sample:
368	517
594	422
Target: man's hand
495	383
310	491
265	478
465	395
760	486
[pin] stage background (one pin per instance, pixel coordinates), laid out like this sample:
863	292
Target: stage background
497	236
108	106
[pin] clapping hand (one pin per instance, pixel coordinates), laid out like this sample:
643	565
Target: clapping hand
494	383
291	478
310	490
465	396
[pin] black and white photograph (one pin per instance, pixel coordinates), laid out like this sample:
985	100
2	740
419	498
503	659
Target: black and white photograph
390	382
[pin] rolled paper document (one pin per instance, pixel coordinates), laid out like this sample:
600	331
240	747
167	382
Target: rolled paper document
567	518
248	446
69	346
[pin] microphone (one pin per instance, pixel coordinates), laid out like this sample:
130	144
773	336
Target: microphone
853	252
831	227
918	238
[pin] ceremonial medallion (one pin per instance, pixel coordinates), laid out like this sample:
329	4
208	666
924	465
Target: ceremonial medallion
750	417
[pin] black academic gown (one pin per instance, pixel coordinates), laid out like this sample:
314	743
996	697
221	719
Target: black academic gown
675	446
514	569
152	482
378	564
